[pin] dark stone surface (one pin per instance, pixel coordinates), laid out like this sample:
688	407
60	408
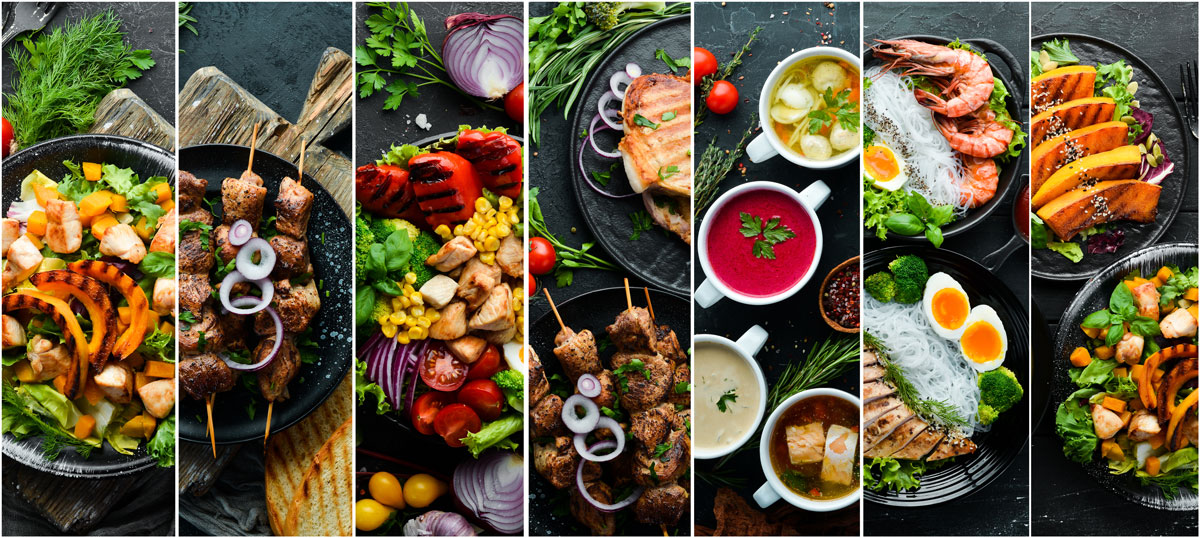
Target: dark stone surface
1164	36
795	324
1000	509
147	25
270	48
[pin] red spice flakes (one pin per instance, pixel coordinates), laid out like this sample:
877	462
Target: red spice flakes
841	297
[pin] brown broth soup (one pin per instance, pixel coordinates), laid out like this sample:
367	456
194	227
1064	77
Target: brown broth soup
805	479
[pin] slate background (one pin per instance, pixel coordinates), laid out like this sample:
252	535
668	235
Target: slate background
1163	35
1001	508
794	325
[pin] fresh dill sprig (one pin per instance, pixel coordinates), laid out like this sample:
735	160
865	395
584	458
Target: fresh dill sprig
54	440
722	74
186	19
715	164
722	478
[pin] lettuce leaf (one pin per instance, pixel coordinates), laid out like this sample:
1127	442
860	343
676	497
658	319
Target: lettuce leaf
996	104
495	434
1073	424
888	474
363	387
162	445
1071	251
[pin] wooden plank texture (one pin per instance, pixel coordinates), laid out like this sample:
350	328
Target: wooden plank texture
123	113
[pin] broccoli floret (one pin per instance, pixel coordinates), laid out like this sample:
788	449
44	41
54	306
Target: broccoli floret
881	286
384	227
910	268
605	14
382	307
363	238
987	414
908	292
1000	389
513	385
424	246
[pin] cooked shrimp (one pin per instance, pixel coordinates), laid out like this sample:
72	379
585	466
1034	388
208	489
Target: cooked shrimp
965	78
977	135
978	184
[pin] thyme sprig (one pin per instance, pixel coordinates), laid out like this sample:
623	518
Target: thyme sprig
722	74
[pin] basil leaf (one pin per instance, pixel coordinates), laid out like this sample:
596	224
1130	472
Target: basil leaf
398	249
918	205
934	235
941	215
364	304
1121	302
1145	327
904	224
1097	320
387	286
1115	332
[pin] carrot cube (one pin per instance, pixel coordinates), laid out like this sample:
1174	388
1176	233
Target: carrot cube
1114	404
37	223
159	369
1080	357
91	171
85	427
1153	466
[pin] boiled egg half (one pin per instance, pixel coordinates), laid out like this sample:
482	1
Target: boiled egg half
884	167
983	342
946	305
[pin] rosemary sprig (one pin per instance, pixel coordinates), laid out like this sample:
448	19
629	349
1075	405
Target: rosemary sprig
826	361
722	478
715	164
938	412
722	74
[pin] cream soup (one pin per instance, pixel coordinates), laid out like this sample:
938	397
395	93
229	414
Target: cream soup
723	381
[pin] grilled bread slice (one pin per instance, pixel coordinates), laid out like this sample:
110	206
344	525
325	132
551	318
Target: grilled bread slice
1058	86
656	150
324	502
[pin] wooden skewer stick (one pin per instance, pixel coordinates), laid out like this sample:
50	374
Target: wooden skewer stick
555	310
211	436
267	433
628	300
664	529
253	142
650	305
300	170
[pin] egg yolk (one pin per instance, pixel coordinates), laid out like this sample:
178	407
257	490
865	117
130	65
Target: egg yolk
981	342
881	163
949	308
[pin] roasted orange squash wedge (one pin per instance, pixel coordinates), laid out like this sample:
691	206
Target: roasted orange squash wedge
73	337
1070	116
1120	163
94	297
1063	84
1107	201
1145	386
1057	152
138	305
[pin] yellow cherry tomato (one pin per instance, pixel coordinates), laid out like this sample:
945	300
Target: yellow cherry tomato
421	490
385	488
370	515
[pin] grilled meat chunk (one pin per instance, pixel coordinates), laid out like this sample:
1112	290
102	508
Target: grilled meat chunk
291	257
273	380
164	238
158	397
206	335
600	523
123	242
653	469
652	425
648	151
194	292
539	386
452	254
577	354
672	213
476	282
64	231
49	359
191	192
293	205
647	384
242	200
467	348
546	417
1143	425
10	231
634	331
116	382
951	446
511	256
1178	324
22	260
201	375
497	313
557	461
296	304
452	324
195	249
14	332
661	505
439	291
921	445
667	344
226	251
608	389
681	386
164	296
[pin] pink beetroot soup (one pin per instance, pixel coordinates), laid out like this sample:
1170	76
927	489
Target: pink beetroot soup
731	255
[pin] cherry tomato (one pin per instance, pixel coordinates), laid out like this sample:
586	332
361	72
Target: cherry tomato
385	488
484	396
426	407
442	371
8	136
703	64
541	256
514	103
421	490
486	365
531	284
454	421
722	98
369	514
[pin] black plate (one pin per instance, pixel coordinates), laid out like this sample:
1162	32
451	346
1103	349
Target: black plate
332	325
146	160
596	310
1092	297
999	447
1012	72
1155	97
661	260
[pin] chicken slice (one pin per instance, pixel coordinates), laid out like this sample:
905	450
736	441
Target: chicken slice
467	348
10	230
452	254
164	296
13	332
164	238
1143	425
452	323
116	382
556	461
1129	349
1106	422
24	258
123	242
64	232
48	358
1146	296
158	397
293	205
439	291
1178	324
496	313
511	257
476	282
673	213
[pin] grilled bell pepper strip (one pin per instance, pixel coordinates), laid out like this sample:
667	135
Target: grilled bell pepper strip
73	338
94	297
1174	380
1145	383
138	305
385	190
446	187
1177	417
497	160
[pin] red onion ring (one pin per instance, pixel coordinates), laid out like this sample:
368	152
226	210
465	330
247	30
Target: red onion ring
633	70
236	277
582	487
245	259
580	424
484	54
234	365
588	385
592	139
602	108
588	177
615	82
240	232
605	423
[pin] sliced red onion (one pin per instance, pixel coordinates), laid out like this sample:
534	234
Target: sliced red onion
592	130
240	232
589	453
245	300
588	177
633	70
615	82
616	507
588	385
438	523
236	277
602	109
484	54
585	423
492	488
266	261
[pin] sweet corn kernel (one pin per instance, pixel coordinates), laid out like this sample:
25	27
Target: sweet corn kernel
417	311
404	303
481	204
505	203
514	219
491	244
488	258
503	229
408	289
423	322
410	277
478	244
397	317
381	318
467	228
442	230
410	321
389	330
433	315
414	333
396	304
417	298
403	339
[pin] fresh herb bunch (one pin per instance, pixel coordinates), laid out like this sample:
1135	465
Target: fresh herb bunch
399	48
937	412
22	420
566	47
837	107
1122	308
715	164
722	74
186	19
569	258
62	76
825	361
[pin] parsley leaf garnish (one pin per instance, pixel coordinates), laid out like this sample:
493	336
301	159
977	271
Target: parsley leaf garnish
723	401
773	232
644	122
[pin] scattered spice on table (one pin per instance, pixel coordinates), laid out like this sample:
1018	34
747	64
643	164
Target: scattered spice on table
841	297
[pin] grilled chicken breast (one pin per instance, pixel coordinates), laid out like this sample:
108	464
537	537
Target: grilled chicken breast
891	429
657	157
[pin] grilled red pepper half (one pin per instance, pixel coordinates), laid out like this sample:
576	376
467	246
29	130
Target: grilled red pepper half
385	190
497	160
446	187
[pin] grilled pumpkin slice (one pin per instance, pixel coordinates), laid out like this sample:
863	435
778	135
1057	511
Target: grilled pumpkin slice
94	297
1070	116
1107	201
138	305
1120	163
1057	152
1061	85
73	337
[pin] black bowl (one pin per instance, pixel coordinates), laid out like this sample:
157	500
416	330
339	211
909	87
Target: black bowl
147	160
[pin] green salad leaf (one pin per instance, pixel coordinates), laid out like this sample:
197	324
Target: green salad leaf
888	474
1073	424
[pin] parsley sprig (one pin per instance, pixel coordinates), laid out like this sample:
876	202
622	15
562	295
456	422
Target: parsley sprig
772	233
723	402
837	107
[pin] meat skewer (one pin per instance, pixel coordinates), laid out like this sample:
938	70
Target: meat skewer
208	404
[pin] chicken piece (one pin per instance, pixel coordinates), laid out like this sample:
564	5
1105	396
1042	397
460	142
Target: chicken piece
546	417
577	354
164	238
500	337
634	331
242	200
539	386
291	257
10	231
158	397
467	348
191	192
1143	425
225	250
511	257
164	296
651	426
648	382
195	252
496	313
64	232
653	468
121	241
806	444
681	386
205	335
250	177
872	373
439	291
23	261
1146	296
194	292
1106	422
608	389
296	304
556	461
672	213
452	323
1190	427
837	466
293	205
1178	324
116	382
667	344
48	358
274	378
647	151
1129	349
476	282
600	523
875	391
662	505
13	332
883	426
205	374
452	254
898	439
951	446
920	445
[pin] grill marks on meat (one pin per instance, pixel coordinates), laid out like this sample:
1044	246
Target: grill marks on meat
274	378
557	461
195	247
191	192
634	331
242	200
194	292
291	257
205	374
293	205
662	505
539	386
891	429
646	386
205	335
600	523
650	154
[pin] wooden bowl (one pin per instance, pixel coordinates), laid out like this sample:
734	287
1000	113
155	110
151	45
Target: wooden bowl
821	297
